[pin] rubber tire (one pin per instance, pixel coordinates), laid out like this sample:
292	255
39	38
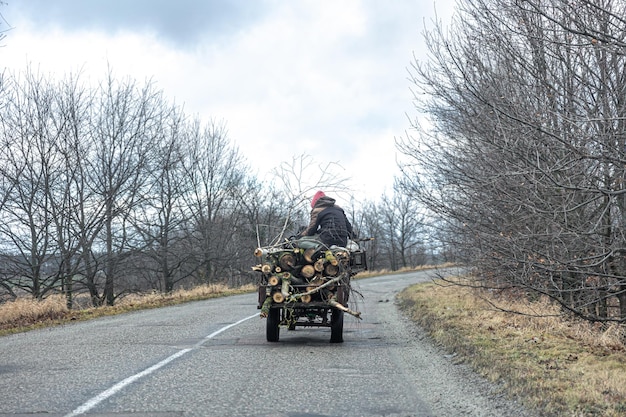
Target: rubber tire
336	326
272	330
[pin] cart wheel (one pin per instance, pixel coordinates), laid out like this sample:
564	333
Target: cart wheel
336	326
272	331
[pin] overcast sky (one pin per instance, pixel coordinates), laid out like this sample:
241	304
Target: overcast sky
325	78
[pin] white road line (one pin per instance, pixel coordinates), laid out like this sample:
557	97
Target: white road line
122	384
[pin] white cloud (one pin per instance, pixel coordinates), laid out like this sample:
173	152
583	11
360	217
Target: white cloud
323	78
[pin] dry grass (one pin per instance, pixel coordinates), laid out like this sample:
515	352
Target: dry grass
367	274
558	367
26	313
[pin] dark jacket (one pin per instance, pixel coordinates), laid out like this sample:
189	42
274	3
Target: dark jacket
330	222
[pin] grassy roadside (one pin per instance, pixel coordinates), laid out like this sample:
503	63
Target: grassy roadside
26	314
557	367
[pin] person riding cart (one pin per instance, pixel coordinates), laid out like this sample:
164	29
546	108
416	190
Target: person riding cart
328	222
305	280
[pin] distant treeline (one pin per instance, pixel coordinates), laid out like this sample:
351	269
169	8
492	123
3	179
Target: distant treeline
111	189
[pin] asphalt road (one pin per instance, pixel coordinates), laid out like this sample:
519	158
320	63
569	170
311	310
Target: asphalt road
210	358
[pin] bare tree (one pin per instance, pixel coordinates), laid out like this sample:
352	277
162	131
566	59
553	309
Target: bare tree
29	170
396	225
266	209
407	229
67	197
371	224
214	169
524	161
299	179
125	121
159	218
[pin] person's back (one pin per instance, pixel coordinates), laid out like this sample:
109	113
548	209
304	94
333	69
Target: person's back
328	221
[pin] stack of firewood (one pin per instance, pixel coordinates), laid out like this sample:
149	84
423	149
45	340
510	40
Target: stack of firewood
304	272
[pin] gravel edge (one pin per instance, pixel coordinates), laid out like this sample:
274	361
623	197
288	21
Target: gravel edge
448	386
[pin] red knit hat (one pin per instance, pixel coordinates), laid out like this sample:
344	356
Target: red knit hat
317	197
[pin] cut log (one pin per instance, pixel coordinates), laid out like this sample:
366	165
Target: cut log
287	261
306	298
296	297
308	255
319	265
331	258
296	281
266	268
317	281
334	303
314	284
307	271
278	297
331	270
284	289
273	280
265	309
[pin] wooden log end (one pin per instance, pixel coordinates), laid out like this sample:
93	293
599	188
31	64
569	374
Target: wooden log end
331	270
319	265
307	271
308	255
287	261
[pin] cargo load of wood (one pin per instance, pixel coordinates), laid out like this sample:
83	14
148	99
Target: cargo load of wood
308	275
